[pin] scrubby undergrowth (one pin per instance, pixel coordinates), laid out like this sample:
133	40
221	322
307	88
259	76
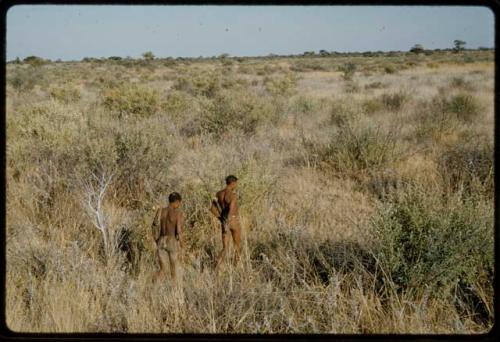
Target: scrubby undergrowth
366	195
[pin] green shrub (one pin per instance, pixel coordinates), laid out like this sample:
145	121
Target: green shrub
21	80
426	241
394	102
374	85
304	104
35	61
207	84
66	94
371	106
468	165
245	69
390	69
132	99
465	106
237	109
176	103
281	86
351	87
461	83
341	114
358	148
432	120
348	70
468	59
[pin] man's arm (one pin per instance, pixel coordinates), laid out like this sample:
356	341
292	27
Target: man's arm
154	225
233	206
178	228
215	209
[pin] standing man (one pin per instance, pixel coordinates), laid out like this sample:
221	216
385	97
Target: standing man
227	202
169	239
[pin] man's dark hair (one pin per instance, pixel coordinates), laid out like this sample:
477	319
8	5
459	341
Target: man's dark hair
231	179
174	196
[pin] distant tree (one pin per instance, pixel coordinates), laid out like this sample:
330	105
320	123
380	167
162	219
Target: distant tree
309	53
115	58
223	55
148	55
459	45
417	48
34	60
324	53
17	61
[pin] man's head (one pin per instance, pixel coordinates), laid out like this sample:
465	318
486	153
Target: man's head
231	181
174	199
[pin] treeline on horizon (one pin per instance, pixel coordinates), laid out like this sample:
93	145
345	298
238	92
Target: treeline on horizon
149	56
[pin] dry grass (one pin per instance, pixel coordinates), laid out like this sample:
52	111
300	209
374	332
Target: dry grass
337	178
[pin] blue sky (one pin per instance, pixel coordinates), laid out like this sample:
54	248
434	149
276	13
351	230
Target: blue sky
73	32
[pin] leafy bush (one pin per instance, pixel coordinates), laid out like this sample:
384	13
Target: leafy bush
348	70
148	55
304	104
464	165
245	69
308	65
351	87
132	99
176	103
426	241
357	148
371	106
431	120
374	85
237	109
341	114
394	102
390	69
23	79
281	86
207	84
461	83
465	106
35	61
66	94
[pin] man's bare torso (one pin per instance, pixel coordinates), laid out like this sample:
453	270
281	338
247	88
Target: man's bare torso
224	198
168	222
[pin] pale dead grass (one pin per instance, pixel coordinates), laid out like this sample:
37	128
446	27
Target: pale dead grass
294	208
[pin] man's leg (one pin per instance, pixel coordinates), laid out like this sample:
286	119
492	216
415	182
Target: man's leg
236	233
160	275
225	242
172	257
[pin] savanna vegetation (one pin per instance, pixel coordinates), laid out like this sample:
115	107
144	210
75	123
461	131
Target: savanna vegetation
366	193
